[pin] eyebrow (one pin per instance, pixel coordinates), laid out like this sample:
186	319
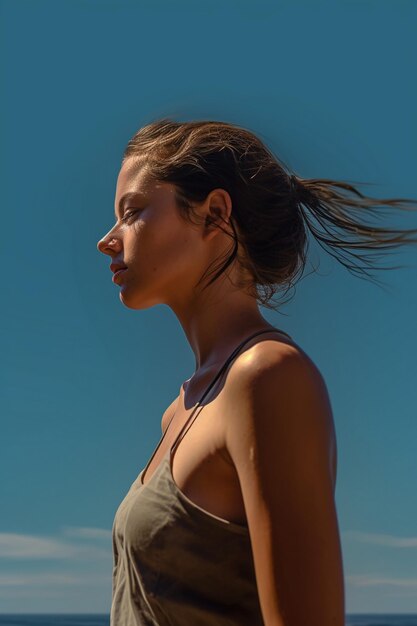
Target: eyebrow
127	196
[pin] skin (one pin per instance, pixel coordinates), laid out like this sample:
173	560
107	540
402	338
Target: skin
263	452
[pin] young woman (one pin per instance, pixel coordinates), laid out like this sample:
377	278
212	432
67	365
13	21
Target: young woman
233	520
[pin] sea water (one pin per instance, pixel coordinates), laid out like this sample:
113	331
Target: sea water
89	619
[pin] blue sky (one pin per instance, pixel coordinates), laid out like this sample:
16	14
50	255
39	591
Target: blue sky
330	87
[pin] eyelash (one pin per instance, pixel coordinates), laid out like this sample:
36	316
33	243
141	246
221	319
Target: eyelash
127	215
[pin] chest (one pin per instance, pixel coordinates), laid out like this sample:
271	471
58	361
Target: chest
200	465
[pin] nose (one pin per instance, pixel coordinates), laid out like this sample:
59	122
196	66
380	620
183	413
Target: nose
108	244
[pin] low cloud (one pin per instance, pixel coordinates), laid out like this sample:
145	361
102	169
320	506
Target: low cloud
28	547
373	580
391	541
55	579
87	533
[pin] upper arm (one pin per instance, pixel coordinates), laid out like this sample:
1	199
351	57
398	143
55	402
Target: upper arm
280	437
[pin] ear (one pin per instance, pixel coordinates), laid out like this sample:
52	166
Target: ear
217	210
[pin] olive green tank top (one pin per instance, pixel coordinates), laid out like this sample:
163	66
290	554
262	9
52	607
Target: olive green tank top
176	564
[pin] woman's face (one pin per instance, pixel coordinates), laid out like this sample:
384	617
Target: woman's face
164	254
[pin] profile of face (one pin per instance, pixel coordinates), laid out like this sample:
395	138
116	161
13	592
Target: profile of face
164	254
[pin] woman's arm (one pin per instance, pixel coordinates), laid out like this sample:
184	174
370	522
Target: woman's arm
280	436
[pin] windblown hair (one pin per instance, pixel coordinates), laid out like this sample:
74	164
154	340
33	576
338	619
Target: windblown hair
272	208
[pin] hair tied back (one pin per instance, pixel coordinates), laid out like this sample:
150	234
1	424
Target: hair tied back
299	193
293	187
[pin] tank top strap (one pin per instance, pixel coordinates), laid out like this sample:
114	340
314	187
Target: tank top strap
215	379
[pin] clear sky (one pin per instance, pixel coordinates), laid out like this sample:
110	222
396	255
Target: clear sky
330	87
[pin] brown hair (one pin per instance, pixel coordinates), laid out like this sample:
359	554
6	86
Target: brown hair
272	208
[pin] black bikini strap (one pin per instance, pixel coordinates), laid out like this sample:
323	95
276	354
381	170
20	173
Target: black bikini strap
230	359
219	373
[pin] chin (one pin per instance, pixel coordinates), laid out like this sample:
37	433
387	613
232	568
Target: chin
137	302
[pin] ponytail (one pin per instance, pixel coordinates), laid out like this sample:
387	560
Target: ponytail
317	198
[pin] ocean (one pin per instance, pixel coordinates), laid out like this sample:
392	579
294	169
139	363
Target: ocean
77	619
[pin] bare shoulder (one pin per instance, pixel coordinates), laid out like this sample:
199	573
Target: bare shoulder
270	363
276	396
274	357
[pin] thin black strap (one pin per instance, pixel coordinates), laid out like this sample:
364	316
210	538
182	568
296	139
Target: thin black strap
219	373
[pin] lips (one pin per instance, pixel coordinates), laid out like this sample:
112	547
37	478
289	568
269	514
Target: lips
118	274
115	267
